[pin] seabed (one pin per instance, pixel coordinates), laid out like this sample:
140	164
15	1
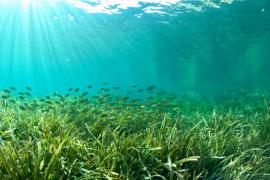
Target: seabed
113	135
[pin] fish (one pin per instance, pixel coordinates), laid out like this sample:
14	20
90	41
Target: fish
140	90
124	98
129	92
28	88
50	107
105	89
12	101
49	102
104	115
94	111
34	105
77	89
21	93
84	94
21	97
70	89
118	107
104	83
106	95
59	95
42	100
83	101
27	94
133	85
57	102
12	88
5	96
151	88
7	91
21	107
89	86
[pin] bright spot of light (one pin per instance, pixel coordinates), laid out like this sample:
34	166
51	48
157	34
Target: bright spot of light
25	4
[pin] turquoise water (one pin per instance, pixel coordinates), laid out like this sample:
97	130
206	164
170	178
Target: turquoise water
201	46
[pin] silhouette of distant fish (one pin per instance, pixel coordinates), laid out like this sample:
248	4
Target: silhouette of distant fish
104	83
7	91
28	88
12	88
133	85
140	90
84	94
151	88
27	94
21	107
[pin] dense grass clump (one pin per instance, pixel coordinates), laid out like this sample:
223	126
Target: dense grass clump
113	136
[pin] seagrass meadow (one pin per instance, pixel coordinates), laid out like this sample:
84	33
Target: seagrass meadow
134	89
115	136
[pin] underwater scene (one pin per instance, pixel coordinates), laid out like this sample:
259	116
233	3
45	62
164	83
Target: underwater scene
135	89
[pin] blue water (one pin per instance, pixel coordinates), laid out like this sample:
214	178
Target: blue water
201	46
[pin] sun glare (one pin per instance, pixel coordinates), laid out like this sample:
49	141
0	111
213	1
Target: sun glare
25	4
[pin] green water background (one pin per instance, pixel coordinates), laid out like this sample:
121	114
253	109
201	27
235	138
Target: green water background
207	52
